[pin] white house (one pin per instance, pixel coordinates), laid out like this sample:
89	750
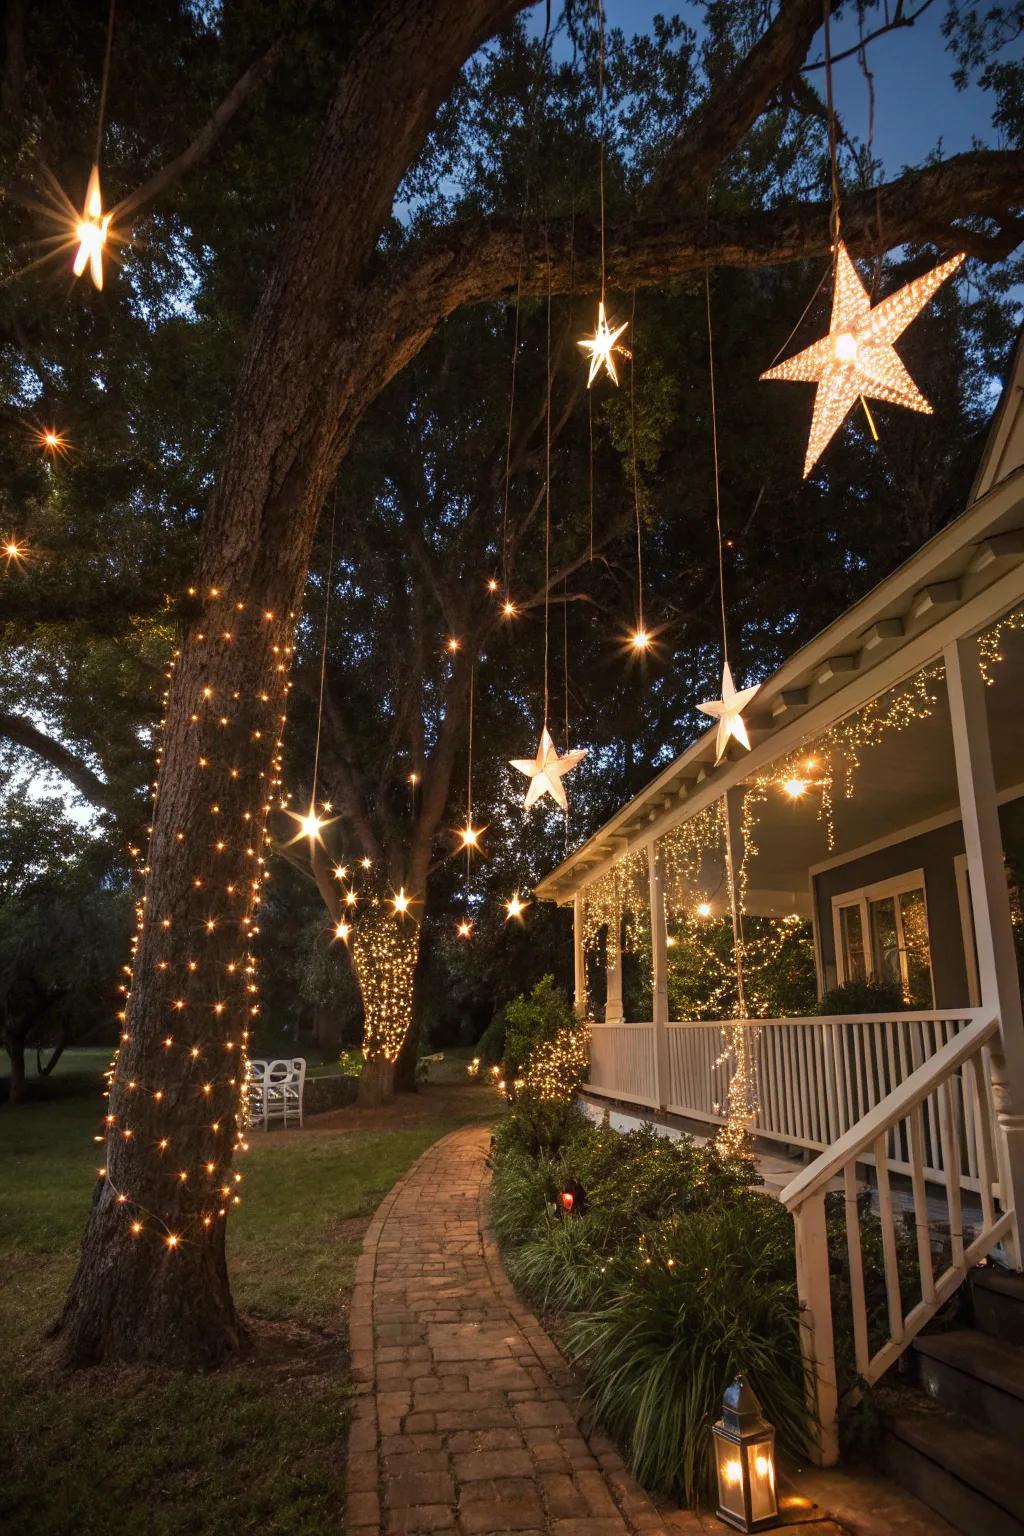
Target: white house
882	802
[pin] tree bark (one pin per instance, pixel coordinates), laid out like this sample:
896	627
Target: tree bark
15	1048
376	1083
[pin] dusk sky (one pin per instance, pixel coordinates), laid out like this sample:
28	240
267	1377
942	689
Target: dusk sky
917	106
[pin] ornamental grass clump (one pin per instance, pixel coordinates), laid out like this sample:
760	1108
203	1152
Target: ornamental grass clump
705	1296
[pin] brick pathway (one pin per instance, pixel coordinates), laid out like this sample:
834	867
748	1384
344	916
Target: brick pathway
465	1417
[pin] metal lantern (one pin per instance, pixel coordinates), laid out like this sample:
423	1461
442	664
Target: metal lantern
745	1461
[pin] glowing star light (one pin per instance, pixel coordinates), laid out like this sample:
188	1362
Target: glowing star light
602	347
469	836
464	929
91	232
546	770
728	712
52	442
14	551
515	906
310	825
857	357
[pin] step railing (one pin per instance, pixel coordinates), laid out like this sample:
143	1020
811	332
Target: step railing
953	1091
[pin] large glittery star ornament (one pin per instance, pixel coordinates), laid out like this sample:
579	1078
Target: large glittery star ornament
602	347
728	712
857	357
546	770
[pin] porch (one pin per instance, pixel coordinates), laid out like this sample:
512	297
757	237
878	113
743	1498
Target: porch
872	835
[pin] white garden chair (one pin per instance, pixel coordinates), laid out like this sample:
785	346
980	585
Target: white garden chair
257	1085
283	1087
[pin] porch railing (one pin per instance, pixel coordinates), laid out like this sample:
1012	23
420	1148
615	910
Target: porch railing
952	1092
813	1078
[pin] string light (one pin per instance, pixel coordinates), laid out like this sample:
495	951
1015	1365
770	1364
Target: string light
53	442
384	953
15	551
857	357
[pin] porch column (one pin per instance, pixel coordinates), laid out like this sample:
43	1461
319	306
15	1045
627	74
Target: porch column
579	957
997	960
659	990
613	1013
734	856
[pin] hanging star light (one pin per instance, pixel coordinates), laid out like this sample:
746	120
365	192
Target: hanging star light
309	824
546	770
13	550
857	357
515	907
469	836
91	232
728	712
602	347
464	929
52	441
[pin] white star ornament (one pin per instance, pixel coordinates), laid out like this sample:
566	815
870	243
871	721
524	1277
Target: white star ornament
546	770
728	711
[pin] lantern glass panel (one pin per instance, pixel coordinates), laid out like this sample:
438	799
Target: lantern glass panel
728	1457
760	1456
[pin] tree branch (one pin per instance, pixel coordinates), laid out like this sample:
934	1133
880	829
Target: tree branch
20	730
898	21
210	133
733	106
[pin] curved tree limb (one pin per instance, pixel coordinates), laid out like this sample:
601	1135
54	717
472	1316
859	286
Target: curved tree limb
20	730
733	106
210	133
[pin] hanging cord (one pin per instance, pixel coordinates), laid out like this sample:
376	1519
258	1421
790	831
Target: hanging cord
714	451
869	81
104	81
323	649
602	125
469	774
531	145
565	653
833	148
547	489
636	482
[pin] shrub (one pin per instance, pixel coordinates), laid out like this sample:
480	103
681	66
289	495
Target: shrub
539	1129
862	997
707	1295
491	1045
351	1062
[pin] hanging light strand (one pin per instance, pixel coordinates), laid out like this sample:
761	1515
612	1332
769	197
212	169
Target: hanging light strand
640	635
104	82
715	466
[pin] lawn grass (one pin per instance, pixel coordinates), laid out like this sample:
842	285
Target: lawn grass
259	1446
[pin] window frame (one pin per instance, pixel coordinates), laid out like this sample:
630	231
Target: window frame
862	896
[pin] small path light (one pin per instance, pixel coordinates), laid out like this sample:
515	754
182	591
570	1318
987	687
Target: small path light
571	1199
745	1461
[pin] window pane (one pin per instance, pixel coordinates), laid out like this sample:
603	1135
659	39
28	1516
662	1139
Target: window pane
885	945
917	954
852	930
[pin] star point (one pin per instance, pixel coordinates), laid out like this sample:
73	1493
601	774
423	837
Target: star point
546	770
728	711
857	357
91	232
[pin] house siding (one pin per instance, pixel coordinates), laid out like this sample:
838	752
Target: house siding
934	852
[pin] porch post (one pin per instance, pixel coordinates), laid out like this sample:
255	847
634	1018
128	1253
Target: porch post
659	990
613	1013
734	857
579	957
997	961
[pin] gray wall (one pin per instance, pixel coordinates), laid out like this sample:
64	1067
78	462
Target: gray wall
933	852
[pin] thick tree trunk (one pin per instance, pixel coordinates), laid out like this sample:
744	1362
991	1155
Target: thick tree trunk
15	1047
376	1082
152	1279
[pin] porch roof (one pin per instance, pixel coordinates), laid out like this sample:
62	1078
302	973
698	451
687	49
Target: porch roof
961	581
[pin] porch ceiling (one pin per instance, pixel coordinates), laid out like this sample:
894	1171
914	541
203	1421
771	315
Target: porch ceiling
960	582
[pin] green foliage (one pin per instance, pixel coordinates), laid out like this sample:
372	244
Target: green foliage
532	1021
539	1129
351	1062
491	1046
861	997
711	1295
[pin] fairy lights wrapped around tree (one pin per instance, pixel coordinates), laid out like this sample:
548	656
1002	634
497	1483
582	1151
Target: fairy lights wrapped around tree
384	949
